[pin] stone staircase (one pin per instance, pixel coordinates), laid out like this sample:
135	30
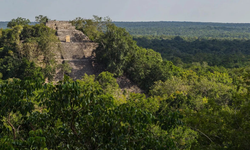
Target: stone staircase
76	49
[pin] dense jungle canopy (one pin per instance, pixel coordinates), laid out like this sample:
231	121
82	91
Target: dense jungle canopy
196	90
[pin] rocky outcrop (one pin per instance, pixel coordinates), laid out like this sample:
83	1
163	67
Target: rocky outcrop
76	49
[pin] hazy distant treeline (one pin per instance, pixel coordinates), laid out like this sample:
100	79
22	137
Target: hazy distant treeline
184	29
188	29
216	52
4	24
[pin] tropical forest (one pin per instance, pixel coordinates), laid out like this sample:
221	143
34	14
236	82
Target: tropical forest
192	81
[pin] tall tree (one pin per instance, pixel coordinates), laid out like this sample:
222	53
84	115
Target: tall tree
42	19
18	21
93	28
115	48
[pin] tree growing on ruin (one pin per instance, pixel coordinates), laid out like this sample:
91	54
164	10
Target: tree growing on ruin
42	19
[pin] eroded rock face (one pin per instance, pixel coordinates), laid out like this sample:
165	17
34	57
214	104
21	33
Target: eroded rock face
76	49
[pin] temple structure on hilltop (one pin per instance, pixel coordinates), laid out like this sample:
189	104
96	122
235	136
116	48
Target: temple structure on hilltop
76	49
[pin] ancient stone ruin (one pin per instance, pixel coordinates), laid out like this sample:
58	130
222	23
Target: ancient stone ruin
76	49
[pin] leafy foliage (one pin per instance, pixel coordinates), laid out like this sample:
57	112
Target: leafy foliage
216	52
147	67
18	21
91	27
120	55
115	48
192	106
77	116
42	19
22	45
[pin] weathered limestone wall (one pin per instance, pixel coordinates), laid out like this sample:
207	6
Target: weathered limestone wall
75	35
79	68
80	50
64	28
77	50
57	25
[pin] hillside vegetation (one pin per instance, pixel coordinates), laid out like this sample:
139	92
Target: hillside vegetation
189	104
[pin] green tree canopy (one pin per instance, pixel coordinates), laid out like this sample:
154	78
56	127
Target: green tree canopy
77	115
18	21
93	28
115	49
42	19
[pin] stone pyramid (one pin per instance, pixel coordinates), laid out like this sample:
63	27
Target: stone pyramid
76	49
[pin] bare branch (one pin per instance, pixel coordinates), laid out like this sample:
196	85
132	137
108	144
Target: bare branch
12	126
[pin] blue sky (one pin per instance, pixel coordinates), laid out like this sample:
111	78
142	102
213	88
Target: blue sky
130	10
